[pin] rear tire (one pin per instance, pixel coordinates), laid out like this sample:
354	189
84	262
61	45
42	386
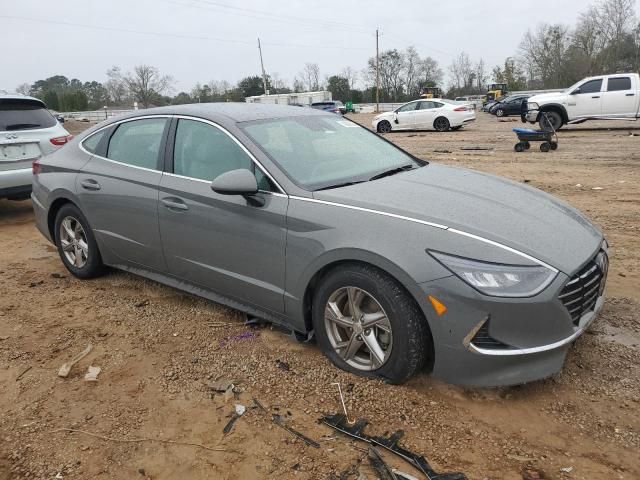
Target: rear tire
500	112
441	124
402	337
76	243
384	127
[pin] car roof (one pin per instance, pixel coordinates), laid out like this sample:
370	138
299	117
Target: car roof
18	96
228	112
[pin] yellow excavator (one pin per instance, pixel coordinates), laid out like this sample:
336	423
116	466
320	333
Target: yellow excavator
496	90
430	92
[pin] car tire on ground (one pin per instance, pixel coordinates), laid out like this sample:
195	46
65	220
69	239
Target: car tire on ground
76	243
500	112
384	127
441	124
551	119
389	337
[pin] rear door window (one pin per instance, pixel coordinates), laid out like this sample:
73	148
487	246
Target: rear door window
24	114
137	143
618	83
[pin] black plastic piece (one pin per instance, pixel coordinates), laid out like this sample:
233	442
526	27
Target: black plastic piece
339	422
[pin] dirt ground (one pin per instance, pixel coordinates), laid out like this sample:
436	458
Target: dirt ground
160	349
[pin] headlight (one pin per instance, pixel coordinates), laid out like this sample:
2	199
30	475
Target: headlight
498	280
533	106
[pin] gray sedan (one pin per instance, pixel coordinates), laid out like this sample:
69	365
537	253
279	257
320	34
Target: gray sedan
313	222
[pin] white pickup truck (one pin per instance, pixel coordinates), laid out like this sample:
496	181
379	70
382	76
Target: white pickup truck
605	97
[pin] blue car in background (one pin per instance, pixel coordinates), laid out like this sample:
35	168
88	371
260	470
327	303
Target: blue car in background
333	106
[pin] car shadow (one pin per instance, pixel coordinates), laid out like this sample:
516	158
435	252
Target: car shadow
14	212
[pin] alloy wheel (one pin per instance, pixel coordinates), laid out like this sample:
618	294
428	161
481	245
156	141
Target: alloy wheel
358	328
73	241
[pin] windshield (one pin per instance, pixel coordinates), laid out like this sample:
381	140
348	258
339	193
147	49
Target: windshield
19	114
318	152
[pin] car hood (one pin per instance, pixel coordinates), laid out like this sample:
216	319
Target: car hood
546	97
501	210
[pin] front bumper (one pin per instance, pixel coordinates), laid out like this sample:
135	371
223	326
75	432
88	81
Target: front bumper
489	341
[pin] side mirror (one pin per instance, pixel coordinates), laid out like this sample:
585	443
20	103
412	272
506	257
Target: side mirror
235	182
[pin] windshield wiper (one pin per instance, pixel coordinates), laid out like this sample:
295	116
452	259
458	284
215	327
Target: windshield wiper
392	171
338	185
18	126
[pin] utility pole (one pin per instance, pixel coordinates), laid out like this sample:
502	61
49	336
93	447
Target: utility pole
264	75
377	74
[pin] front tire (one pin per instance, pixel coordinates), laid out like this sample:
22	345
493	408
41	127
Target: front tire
367	324
549	120
76	243
384	127
500	112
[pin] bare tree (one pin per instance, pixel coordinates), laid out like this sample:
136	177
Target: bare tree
146	83
391	73
23	88
462	72
351	75
412	73
481	75
431	73
115	85
547	49
310	76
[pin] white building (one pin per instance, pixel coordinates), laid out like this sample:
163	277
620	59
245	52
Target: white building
301	98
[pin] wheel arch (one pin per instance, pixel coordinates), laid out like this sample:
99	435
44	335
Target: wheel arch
54	208
554	107
334	260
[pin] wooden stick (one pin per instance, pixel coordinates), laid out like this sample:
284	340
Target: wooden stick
23	372
137	440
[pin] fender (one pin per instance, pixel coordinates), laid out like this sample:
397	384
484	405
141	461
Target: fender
554	106
296	301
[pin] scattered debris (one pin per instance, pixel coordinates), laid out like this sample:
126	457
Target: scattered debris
228	395
66	368
532	474
344	406
597	188
248	335
4	337
403	475
142	472
92	374
277	419
631	134
141	303
526	180
566	469
221	385
23	372
339	422
283	365
476	147
378	464
238	412
35	284
578	185
443	151
139	440
58	275
58	476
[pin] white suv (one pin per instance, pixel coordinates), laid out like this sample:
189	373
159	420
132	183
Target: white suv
27	132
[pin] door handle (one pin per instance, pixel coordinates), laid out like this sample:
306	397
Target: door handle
596	96
629	94
174	204
90	184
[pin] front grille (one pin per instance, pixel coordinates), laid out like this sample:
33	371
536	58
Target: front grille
580	294
482	339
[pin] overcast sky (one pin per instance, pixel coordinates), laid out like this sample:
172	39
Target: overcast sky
202	40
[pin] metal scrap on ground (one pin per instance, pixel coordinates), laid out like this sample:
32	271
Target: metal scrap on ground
66	368
339	422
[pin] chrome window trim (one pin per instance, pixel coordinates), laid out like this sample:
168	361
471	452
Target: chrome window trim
281	191
430	224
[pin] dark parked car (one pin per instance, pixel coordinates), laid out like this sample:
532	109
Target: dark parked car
509	106
309	220
334	106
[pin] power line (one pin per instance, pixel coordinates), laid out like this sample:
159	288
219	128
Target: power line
174	35
262	14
